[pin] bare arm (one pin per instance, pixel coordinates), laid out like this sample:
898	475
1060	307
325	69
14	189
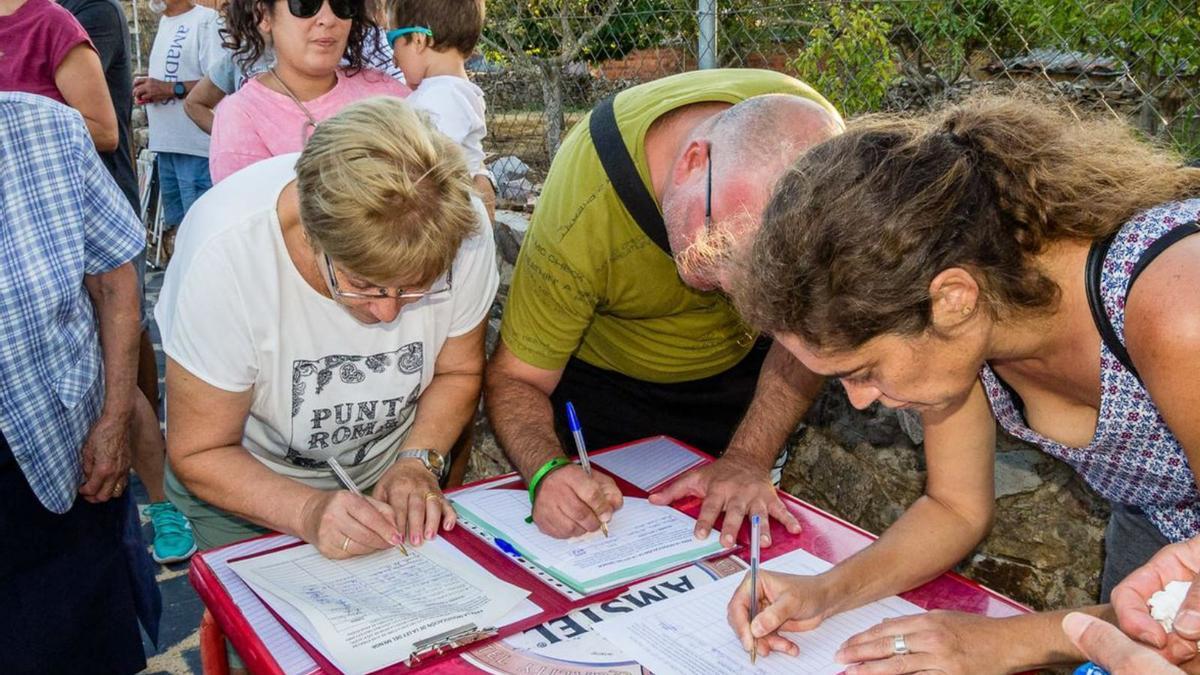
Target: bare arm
80	80
1162	332
106	451
149	90
957	642
944	524
201	101
1162	328
937	531
739	483
784	393
204	436
517	400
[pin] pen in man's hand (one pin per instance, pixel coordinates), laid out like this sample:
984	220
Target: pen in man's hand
581	447
754	554
348	483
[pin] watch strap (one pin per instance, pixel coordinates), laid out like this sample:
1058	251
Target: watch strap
423	455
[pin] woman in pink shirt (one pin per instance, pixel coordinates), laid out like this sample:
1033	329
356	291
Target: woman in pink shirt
276	112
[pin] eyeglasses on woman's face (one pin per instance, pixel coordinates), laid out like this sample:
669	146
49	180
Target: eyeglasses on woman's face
440	287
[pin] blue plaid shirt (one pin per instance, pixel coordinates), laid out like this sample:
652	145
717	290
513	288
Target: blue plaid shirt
61	217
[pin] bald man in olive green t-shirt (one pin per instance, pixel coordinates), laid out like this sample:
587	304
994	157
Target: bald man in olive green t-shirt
640	340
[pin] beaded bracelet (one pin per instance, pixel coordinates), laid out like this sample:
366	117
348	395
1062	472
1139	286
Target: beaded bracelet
546	469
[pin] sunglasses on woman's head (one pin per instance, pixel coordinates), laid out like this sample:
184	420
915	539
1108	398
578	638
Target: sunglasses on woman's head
342	9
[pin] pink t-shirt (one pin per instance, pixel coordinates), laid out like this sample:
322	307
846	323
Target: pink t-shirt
34	40
256	123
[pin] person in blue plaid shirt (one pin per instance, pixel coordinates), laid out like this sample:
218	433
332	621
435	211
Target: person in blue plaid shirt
69	602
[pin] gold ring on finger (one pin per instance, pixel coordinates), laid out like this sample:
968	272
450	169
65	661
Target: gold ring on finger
431	495
346	543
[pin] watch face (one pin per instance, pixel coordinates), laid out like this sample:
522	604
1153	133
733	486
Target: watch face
436	462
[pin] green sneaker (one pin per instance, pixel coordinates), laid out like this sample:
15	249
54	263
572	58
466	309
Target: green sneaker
173	540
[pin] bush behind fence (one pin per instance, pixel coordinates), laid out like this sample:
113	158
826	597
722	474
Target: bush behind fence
548	61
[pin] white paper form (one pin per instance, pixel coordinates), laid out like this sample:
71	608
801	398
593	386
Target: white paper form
649	463
688	634
288	654
569	644
643	539
371	611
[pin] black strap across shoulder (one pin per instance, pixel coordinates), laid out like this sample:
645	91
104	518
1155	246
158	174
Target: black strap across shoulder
1095	270
623	173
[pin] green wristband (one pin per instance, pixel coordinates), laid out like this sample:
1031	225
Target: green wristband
540	475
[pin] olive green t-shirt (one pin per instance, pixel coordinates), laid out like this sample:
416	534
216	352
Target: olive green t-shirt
590	283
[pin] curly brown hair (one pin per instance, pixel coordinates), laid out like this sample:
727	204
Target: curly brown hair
859	226
240	34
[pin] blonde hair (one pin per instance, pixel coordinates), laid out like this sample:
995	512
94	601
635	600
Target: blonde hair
383	193
861	224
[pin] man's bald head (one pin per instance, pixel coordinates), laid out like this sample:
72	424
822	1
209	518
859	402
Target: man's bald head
751	145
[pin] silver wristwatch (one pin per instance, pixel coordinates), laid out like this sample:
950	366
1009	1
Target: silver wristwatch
430	458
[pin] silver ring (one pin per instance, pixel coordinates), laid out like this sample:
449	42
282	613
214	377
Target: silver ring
900	646
346	543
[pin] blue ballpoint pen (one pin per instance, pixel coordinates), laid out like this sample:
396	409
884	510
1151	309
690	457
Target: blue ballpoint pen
581	448
754	555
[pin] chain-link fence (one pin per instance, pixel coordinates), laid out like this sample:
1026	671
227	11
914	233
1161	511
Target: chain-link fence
546	62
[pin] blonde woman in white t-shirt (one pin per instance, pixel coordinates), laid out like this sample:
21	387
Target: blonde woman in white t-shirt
328	304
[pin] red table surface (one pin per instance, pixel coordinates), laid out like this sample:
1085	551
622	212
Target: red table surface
823	535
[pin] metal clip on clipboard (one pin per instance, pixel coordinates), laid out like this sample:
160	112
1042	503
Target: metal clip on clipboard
451	639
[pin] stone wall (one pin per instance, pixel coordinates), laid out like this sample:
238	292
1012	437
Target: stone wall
1046	546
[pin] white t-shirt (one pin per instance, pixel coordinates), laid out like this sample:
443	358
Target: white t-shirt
183	49
457	108
236	313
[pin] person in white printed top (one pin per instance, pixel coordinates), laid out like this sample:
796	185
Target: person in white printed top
330	304
186	43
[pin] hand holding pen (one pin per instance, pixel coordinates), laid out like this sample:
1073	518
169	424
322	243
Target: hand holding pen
581	448
346	523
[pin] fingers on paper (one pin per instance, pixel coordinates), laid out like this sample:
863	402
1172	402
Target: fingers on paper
441	512
582	515
899	664
776	643
591	493
612	493
737	613
709	511
434	505
735	513
367	525
415	522
861	648
770	619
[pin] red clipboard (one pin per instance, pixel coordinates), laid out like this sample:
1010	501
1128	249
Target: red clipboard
822	534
